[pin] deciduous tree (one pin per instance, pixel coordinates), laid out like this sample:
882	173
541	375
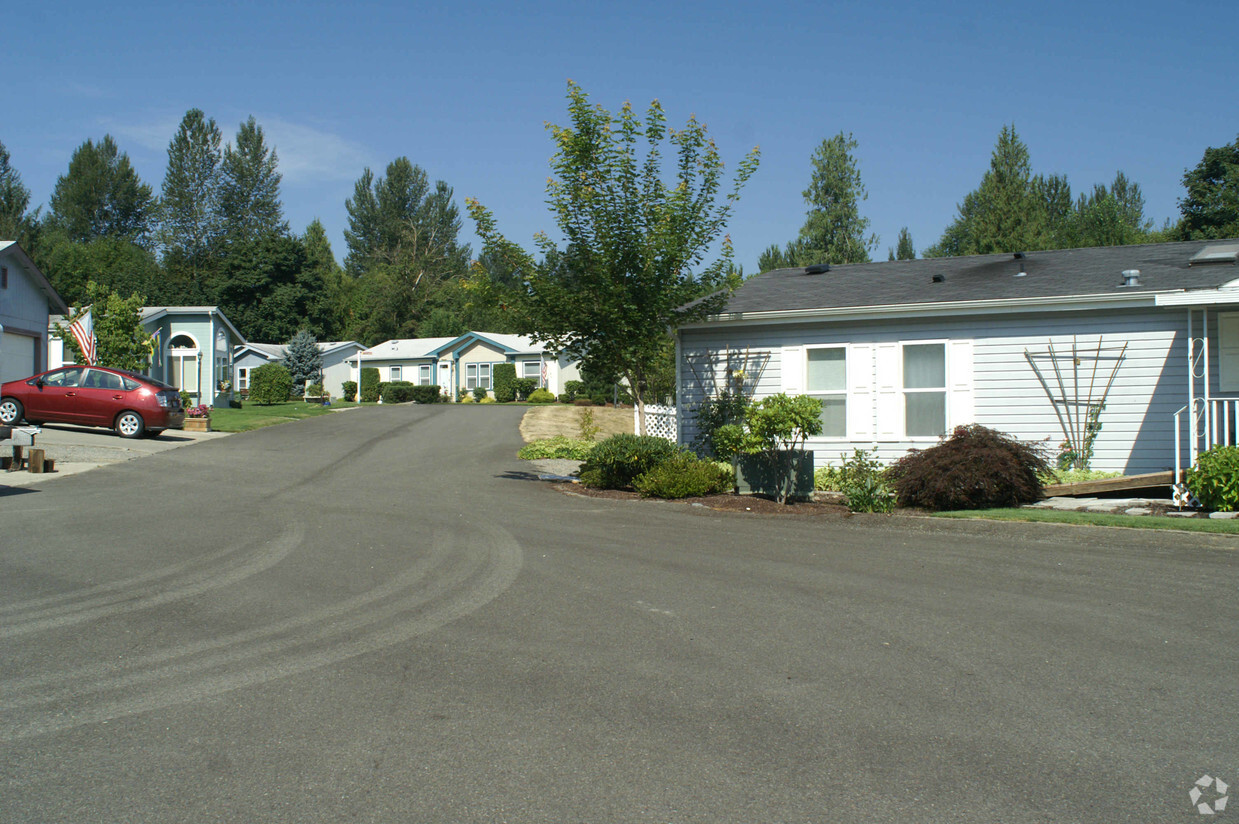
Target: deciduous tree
16	223
636	238
1210	209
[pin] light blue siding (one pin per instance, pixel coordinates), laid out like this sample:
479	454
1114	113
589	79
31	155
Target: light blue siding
1136	435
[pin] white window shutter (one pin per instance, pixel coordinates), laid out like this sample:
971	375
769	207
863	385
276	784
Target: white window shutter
860	392
960	409
889	398
792	370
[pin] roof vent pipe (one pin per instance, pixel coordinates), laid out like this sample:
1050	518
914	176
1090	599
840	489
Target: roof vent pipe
1131	277
817	269
939	278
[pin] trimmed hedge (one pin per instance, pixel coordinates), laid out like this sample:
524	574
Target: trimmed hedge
397	392
540	396
423	393
350	390
524	387
504	375
369	384
270	383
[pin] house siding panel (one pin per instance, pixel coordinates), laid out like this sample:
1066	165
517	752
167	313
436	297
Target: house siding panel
1136	433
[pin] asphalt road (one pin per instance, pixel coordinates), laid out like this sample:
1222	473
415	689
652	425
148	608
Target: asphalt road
379	617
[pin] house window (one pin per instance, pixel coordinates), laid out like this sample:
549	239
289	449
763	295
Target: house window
184	358
243	379
531	369
826	380
477	375
423	374
924	389
395	374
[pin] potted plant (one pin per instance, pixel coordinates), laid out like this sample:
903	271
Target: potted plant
768	449
198	418
314	393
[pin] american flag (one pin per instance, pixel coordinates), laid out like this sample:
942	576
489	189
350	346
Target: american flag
83	329
543	375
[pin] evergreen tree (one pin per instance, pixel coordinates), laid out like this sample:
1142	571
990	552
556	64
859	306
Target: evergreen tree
15	222
1111	217
190	220
834	231
101	196
303	359
403	247
249	187
904	250
778	257
1210	209
320	264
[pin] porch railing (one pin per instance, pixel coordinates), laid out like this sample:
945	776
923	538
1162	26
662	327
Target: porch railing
1209	423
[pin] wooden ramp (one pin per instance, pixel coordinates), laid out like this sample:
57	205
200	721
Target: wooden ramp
1153	479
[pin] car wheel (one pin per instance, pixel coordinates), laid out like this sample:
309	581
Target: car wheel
130	425
10	411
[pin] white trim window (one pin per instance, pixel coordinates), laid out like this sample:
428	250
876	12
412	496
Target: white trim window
477	375
532	369
394	374
826	378
925	389
423	374
243	379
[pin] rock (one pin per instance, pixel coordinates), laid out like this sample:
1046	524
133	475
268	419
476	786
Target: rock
1223	516
1138	510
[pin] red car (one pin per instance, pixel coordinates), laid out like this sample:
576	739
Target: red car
130	403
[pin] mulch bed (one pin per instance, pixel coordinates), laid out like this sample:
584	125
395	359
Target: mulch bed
725	503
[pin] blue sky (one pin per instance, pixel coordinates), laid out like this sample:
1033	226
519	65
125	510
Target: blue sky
464	90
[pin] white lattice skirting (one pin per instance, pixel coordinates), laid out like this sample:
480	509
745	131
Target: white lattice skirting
659	421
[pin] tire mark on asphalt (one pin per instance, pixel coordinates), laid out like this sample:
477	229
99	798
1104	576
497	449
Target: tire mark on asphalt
330	635
121	602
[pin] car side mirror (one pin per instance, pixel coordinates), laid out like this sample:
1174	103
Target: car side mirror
39	383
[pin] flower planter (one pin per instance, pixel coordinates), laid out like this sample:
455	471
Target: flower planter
757	474
197	425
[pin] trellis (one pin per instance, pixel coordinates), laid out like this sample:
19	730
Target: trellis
1076	403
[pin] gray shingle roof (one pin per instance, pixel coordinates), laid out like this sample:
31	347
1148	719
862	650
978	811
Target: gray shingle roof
1060	273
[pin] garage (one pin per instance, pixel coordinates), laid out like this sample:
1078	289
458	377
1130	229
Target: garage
17	356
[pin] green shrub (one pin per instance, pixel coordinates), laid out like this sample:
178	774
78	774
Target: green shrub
1075	476
524	386
684	475
976	468
540	396
369	384
426	393
397	392
504	375
863	484
234	403
564	398
270	383
479	393
828	479
350	390
487	399
1214	480
573	388
314	390
776	427
560	446
616	461
465	397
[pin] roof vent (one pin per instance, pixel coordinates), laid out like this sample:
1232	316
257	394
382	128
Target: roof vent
817	269
1216	253
1019	256
1131	277
939	278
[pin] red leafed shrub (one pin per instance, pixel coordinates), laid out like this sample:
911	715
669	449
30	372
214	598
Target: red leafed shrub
976	468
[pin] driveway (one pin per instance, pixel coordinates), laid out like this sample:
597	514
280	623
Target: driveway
80	448
377	617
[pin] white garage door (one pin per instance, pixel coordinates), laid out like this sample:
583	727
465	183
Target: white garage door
16	357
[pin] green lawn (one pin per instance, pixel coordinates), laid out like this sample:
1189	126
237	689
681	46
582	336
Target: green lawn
254	415
1098	519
